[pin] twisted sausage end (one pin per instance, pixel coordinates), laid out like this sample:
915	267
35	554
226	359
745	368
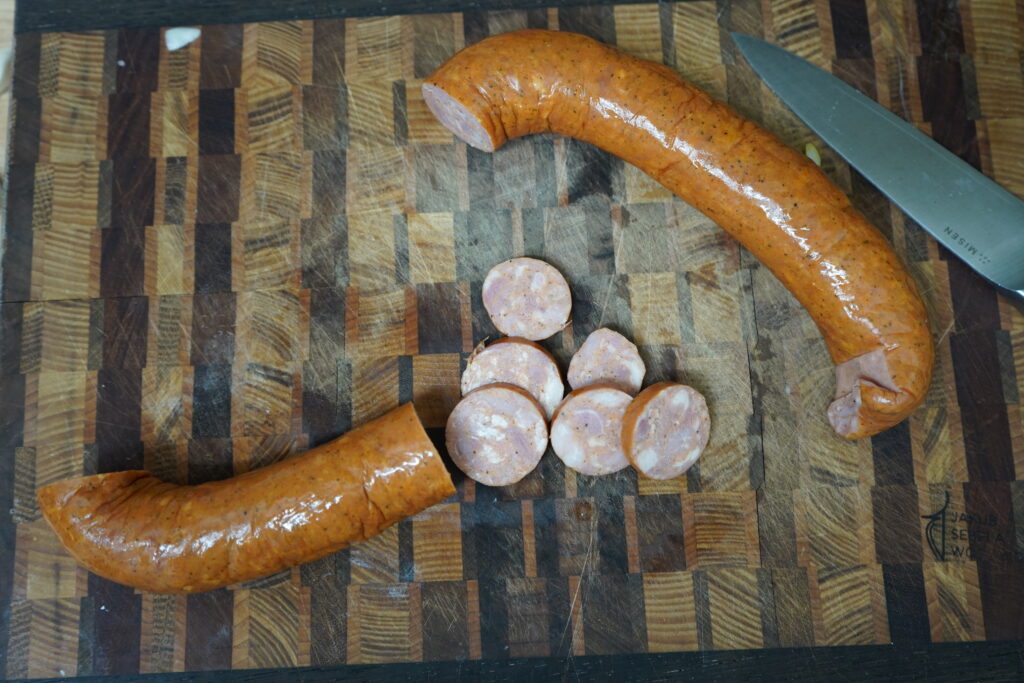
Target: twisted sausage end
868	398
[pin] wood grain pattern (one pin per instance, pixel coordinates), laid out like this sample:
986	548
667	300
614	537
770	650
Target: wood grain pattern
219	256
670	612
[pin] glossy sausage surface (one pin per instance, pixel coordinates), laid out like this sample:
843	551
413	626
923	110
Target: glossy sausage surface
772	199
132	528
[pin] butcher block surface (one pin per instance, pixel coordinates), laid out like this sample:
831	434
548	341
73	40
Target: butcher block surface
221	256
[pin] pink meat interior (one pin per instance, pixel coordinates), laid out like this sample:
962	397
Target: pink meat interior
456	118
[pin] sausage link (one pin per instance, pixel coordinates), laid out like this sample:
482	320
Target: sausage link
773	200
132	528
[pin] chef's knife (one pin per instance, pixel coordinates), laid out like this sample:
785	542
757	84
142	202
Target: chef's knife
964	210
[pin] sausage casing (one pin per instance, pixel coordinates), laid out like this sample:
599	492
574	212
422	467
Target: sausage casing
772	199
132	528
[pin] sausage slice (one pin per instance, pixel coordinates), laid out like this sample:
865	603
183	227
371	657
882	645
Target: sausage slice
497	434
586	431
527	298
609	358
665	429
518	361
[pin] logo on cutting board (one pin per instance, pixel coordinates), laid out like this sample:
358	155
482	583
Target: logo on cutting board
935	531
953	534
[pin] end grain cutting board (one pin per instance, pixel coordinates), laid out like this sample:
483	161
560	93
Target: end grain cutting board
222	255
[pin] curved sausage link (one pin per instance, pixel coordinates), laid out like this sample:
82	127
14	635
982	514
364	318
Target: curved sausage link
775	201
132	528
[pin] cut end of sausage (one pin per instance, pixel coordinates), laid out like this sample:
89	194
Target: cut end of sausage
457	118
526	297
518	361
606	357
497	434
586	433
665	429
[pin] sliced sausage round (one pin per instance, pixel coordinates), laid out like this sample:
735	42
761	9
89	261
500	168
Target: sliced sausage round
497	434
527	298
518	361
606	357
586	430
665	429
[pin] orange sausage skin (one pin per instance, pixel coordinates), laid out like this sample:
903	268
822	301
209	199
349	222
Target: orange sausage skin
137	530
773	200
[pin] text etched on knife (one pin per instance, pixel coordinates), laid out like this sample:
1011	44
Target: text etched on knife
967	246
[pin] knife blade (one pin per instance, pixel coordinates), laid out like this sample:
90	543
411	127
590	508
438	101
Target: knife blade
968	213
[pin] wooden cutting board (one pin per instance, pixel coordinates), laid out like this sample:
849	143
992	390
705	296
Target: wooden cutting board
220	256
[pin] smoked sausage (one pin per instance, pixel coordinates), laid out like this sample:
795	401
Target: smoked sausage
132	528
772	199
